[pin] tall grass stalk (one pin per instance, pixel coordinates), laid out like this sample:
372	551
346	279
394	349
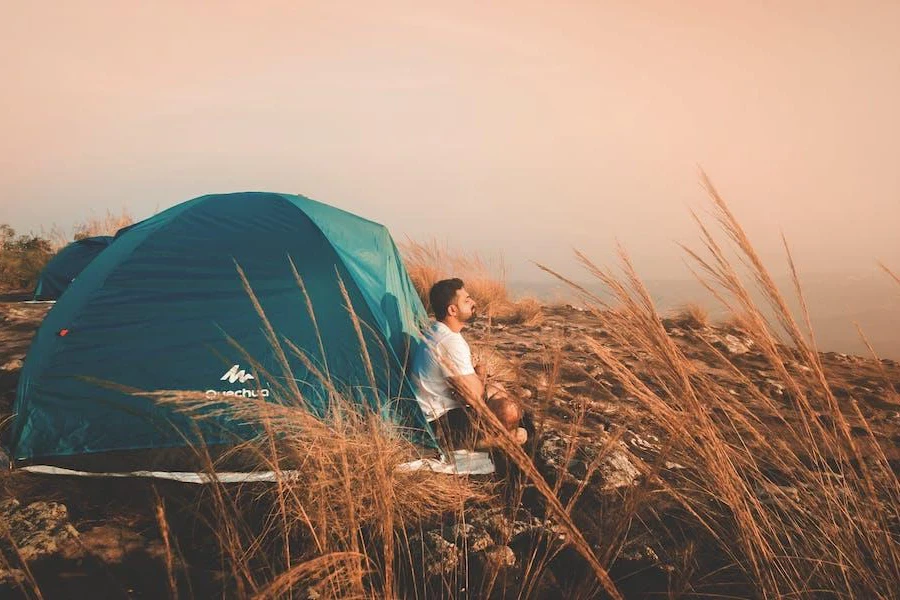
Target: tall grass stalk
167	544
890	273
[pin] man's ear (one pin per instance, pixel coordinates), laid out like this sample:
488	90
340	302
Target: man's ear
452	310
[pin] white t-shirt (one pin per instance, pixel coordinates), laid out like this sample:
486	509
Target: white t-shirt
442	354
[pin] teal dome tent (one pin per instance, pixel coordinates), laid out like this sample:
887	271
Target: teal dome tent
67	264
155	309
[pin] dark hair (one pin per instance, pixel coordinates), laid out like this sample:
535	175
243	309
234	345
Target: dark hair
442	294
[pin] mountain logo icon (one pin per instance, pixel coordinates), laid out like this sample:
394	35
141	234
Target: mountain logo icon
236	375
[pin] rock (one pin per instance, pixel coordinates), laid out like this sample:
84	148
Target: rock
735	345
111	544
38	529
42	529
500	557
618	471
641	549
649	443
438	556
728	342
639	552
487	534
472	538
11	577
553	449
776	386
12	365
501	528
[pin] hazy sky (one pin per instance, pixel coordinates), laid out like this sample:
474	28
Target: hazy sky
520	128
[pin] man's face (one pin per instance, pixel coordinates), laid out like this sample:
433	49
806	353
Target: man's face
464	306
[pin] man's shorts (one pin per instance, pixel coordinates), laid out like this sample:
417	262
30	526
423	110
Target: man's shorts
458	427
454	429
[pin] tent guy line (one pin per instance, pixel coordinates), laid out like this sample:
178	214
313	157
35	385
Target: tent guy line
461	462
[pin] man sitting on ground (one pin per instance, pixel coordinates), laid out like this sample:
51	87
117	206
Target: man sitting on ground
448	384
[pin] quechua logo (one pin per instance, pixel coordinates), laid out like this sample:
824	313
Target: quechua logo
236	375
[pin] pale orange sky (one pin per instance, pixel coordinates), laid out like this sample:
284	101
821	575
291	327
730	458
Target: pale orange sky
523	128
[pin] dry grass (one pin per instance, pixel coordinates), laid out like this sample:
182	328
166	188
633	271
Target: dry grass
693	315
429	262
739	321
22	257
798	507
795	504
339	502
57	237
525	311
335	517
345	507
107	224
164	532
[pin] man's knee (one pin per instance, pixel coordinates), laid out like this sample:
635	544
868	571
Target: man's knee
494	390
507	411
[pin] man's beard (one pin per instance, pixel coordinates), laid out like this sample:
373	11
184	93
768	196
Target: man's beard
473	317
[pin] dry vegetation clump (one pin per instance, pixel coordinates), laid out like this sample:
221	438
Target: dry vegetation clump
333	522
798	505
527	311
22	257
738	321
428	263
693	316
107	224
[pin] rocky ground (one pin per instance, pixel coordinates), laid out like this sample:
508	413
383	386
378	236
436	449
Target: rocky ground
102	538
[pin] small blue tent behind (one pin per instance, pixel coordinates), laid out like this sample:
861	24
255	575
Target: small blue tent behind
156	309
67	264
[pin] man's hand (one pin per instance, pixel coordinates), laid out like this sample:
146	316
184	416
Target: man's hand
481	371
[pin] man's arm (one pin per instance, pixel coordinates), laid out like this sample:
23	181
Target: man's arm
470	388
456	362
